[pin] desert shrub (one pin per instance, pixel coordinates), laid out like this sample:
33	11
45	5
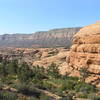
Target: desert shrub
66	76
33	98
24	73
83	95
93	96
4	95
69	96
85	88
8	71
24	89
1	84
28	90
47	86
61	86
41	97
44	97
13	67
53	71
39	73
3	69
1	59
84	73
72	78
68	85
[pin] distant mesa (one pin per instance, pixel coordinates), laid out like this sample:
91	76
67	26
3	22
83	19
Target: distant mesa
53	38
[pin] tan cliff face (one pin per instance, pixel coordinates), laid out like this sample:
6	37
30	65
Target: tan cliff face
85	51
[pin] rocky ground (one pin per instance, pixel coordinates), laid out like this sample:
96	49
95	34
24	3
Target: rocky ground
38	56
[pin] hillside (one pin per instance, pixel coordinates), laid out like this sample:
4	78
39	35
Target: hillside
22	79
51	38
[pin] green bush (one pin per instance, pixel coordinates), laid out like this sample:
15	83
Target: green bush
69	85
84	73
83	95
85	88
53	71
68	97
93	96
3	69
25	79
39	73
13	67
44	97
25	73
28	90
33	98
4	95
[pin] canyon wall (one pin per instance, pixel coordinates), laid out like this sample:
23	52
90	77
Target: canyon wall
51	38
85	52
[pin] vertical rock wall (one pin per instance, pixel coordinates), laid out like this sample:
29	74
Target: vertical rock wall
85	51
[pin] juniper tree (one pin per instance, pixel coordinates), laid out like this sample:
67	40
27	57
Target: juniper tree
24	72
84	73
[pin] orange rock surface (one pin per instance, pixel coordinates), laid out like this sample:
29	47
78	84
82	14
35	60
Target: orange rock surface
85	51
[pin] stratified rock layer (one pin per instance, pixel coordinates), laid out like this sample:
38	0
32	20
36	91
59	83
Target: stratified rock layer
85	51
51	38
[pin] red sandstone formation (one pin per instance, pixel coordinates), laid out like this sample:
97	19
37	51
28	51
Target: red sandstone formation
85	51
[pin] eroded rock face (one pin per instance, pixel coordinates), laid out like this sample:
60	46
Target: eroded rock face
85	51
45	61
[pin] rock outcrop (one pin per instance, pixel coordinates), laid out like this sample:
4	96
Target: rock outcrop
49	57
85	51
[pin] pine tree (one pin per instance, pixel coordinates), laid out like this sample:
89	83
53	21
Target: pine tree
3	69
53	71
24	72
13	67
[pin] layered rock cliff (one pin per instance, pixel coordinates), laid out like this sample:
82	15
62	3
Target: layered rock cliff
52	38
85	52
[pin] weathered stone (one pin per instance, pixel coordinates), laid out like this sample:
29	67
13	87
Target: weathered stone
85	51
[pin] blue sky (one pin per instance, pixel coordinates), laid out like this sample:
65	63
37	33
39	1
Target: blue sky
27	16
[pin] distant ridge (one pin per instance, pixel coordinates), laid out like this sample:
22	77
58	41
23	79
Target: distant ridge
51	38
